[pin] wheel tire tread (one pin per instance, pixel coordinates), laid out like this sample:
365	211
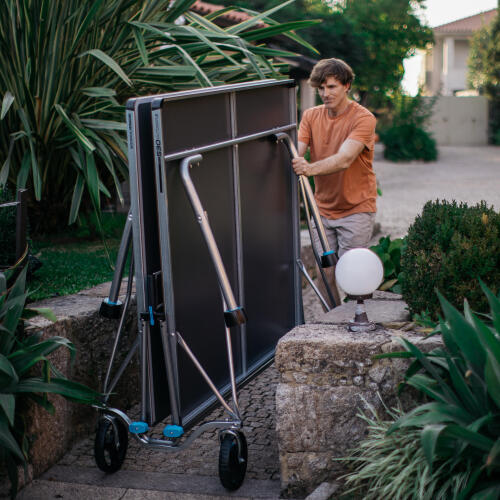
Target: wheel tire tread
117	457
232	474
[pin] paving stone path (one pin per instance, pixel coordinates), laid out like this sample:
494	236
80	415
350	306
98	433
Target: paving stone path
256	401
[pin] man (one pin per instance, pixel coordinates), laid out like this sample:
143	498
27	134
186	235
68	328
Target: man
340	135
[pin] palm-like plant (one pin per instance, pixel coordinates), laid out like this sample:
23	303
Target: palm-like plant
26	371
67	67
448	447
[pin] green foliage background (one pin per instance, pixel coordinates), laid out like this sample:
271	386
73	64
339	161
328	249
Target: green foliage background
67	68
447	447
372	36
448	247
406	137
7	229
484	71
27	373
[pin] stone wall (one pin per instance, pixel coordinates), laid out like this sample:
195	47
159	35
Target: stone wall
327	375
79	321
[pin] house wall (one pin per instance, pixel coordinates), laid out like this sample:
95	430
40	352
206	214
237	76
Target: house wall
445	66
461	54
460	121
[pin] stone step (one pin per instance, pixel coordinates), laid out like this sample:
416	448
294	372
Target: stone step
79	483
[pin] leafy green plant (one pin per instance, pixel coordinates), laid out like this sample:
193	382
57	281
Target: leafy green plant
448	447
26	372
390	252
406	138
393	464
66	69
374	37
484	67
424	319
449	246
462	423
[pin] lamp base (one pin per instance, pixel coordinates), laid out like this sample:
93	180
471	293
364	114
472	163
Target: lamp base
365	326
360	322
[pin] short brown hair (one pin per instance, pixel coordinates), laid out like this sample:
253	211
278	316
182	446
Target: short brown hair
331	67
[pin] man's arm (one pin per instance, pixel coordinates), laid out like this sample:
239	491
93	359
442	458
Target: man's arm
342	160
301	148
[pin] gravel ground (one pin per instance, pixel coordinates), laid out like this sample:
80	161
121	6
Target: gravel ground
468	174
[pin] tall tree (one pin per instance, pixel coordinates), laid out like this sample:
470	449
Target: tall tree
484	71
391	32
373	36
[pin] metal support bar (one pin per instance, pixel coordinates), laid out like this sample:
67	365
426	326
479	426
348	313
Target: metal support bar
315	253
171	380
120	371
301	266
326	258
117	338
121	260
232	375
202	219
229	142
174	445
204	374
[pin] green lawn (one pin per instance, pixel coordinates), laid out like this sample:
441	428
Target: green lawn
75	260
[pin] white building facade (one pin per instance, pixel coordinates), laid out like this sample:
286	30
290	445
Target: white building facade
444	68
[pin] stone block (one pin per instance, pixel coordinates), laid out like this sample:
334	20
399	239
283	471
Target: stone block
378	311
327	376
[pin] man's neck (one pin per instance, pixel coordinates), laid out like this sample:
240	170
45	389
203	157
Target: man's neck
332	113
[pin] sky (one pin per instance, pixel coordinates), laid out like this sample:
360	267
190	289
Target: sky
439	12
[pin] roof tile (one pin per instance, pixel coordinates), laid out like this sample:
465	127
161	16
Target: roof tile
467	25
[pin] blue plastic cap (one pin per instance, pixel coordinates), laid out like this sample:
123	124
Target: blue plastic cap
138	427
239	308
329	253
173	431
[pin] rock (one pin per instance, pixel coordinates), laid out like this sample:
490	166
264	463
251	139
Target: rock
328	375
378	311
324	491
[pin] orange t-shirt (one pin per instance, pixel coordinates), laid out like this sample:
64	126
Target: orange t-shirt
354	189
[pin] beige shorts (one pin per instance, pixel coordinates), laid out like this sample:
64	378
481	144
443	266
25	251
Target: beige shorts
346	233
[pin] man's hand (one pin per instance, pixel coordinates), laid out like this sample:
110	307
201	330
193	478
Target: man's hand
301	166
348	152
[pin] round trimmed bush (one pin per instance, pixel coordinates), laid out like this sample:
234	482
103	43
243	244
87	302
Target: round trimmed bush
450	246
408	142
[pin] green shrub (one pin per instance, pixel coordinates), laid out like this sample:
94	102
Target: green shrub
27	372
408	142
448	447
393	465
449	246
7	229
390	254
406	138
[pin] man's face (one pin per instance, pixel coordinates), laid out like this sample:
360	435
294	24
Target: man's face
333	93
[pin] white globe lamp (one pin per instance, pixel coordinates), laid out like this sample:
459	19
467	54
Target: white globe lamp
359	273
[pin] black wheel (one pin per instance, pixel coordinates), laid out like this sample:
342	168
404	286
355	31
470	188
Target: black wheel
233	456
111	443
